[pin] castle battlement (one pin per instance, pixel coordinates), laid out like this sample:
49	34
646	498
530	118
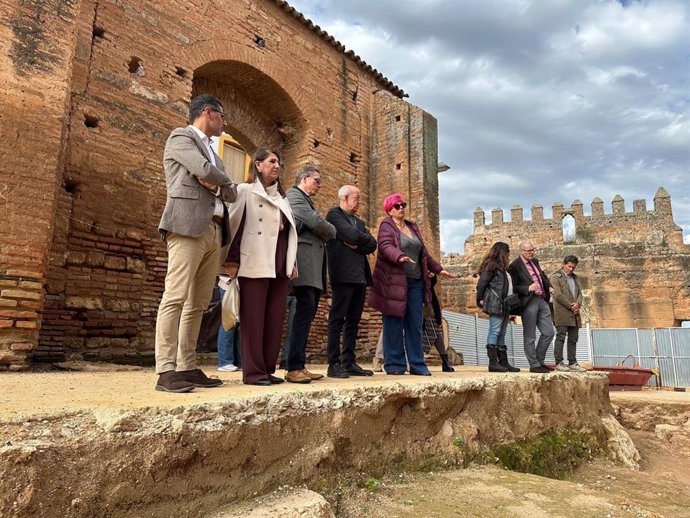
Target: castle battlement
661	210
633	265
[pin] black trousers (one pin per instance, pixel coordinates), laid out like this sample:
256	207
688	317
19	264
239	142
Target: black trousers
346	311
305	310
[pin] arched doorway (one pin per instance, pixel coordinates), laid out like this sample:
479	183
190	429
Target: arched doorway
569	230
260	112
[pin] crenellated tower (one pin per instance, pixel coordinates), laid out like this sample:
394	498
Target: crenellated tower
634	264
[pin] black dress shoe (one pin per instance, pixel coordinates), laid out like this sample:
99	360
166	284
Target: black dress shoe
427	373
261	383
547	367
275	380
395	373
540	370
356	370
336	370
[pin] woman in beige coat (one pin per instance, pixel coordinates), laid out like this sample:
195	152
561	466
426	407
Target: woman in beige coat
262	256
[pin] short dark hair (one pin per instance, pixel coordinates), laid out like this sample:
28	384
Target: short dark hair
307	170
200	103
570	259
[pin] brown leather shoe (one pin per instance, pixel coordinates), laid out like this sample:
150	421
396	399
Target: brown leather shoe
312	375
297	377
171	381
197	378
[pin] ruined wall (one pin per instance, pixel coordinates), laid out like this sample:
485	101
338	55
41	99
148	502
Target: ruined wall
88	269
405	158
38	39
634	268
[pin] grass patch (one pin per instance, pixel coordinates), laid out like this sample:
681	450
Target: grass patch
372	484
551	454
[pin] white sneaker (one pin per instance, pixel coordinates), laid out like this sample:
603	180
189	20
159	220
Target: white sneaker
562	367
576	368
228	368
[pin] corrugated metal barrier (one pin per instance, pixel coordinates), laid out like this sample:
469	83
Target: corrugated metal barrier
665	350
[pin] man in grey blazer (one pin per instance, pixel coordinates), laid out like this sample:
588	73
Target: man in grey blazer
312	233
195	226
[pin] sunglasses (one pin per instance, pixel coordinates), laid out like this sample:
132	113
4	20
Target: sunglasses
398	206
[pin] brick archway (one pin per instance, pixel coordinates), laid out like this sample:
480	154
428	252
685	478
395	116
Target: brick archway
260	112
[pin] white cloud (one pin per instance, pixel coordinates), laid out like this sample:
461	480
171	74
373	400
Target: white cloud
454	232
537	102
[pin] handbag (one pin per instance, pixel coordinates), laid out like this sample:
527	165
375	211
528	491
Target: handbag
512	304
231	304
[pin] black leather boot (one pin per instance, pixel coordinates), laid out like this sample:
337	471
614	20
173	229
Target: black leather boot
503	360
494	366
445	365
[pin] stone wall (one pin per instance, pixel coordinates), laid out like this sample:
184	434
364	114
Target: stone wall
93	92
634	268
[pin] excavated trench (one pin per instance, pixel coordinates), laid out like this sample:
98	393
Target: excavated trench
194	458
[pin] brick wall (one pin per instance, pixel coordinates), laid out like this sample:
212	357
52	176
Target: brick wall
93	252
38	39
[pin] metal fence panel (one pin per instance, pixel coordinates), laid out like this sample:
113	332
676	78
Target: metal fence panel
468	337
680	338
462	335
666	350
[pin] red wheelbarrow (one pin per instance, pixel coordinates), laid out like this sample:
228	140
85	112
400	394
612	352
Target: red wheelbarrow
626	378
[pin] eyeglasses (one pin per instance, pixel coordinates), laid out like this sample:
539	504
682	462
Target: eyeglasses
398	206
316	179
223	115
528	249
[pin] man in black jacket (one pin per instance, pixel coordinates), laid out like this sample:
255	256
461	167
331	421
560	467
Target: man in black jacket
534	289
350	275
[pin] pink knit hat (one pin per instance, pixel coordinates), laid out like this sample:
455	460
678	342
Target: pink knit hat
392	200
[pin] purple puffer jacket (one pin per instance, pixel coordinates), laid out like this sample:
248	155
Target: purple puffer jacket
389	293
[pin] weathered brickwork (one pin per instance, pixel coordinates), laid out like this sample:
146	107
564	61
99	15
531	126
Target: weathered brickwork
634	268
38	39
93	90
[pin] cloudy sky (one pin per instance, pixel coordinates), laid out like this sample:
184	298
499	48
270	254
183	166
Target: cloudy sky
537	101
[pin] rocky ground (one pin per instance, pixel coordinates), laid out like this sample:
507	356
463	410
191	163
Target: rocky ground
104	443
598	489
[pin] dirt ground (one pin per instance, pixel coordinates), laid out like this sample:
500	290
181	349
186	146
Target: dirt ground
598	489
125	388
91	385
661	488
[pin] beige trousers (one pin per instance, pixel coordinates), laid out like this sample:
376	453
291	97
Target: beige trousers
192	267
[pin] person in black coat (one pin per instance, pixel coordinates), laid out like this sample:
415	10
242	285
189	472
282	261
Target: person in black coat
494	286
534	289
440	343
350	275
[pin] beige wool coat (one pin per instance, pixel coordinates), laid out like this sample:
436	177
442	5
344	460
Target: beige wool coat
563	298
261	226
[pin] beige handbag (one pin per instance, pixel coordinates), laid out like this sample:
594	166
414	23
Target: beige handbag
231	304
